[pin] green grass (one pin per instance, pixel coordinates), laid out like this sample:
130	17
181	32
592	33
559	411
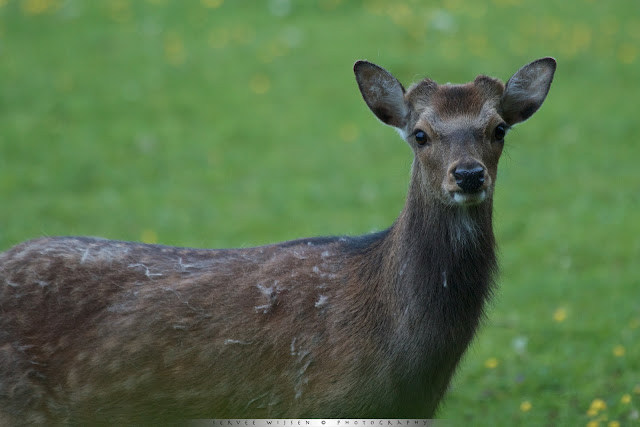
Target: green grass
227	126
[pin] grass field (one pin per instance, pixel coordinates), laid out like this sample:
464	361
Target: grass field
237	123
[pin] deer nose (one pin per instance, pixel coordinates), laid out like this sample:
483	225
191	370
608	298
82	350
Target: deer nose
470	179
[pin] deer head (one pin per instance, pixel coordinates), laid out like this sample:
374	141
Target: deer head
456	131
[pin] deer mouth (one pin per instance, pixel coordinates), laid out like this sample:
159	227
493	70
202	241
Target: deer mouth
462	198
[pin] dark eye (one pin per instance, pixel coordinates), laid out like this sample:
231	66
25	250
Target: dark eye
500	132
421	137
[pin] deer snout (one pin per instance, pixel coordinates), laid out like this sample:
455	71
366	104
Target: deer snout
467	182
470	178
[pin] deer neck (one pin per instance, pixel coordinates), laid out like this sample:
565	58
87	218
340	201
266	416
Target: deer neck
442	252
430	224
434	257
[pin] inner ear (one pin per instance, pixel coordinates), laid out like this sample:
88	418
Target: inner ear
382	92
526	90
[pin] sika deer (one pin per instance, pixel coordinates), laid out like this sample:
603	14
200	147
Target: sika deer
369	326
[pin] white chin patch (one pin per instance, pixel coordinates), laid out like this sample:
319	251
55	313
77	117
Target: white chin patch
468	199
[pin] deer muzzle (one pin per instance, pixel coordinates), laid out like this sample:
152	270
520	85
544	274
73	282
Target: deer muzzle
467	182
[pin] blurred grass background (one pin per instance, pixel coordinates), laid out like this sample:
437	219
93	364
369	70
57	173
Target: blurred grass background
219	123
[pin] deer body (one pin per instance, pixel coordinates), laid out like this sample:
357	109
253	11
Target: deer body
351	327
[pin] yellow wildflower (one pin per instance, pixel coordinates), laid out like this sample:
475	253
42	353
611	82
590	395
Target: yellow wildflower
598	405
35	7
212	4
260	84
626	398
618	351
491	363
120	10
627	53
525	406
560	315
613	424
174	50
349	132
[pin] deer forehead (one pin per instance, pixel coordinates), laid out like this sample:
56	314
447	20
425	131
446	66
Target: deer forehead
444	109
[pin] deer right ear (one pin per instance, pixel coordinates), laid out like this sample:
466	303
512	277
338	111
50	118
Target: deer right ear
382	92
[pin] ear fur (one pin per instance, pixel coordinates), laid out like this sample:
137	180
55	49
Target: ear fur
526	90
382	92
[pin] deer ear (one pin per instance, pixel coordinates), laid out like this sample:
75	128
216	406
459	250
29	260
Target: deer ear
526	90
382	92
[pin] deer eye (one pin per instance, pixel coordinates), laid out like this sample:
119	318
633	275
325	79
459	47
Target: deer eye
421	137
500	132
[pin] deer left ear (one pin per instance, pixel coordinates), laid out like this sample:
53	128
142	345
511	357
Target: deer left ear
526	90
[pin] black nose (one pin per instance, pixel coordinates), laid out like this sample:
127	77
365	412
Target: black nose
470	179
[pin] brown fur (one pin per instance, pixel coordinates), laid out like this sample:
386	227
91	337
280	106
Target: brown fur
94	330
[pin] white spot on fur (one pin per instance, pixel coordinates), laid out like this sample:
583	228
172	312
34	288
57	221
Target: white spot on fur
185	302
9	283
42	283
293	346
270	293
469	198
302	380
232	341
299	255
117	308
305	366
401	132
325	254
464	230
322	300
264	308
298	388
255	399
84	256
147	272
315	269
267	292
182	268
403	268
444	279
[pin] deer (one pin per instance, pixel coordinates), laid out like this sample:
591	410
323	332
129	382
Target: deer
372	326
